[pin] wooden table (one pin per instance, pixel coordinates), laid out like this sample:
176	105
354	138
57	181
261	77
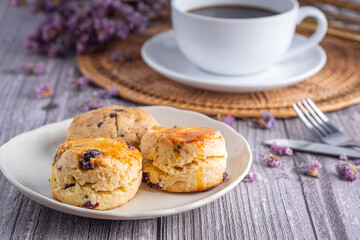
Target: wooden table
282	204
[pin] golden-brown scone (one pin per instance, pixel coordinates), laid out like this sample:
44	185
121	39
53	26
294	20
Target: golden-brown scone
183	159
99	173
116	122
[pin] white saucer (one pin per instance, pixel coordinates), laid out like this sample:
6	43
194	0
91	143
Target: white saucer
162	54
26	162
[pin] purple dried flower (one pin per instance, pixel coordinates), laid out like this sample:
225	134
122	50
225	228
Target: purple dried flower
269	119
266	121
36	69
93	104
115	56
151	9
346	171
43	91
229	120
357	162
313	168
250	177
120	57
25	68
270	159
55	52
39	69
102	93
111	92
136	22
81	83
18	2
281	150
343	157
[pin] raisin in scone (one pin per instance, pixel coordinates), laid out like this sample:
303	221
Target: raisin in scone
116	122
183	159
99	173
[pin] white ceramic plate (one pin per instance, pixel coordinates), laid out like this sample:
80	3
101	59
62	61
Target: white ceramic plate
162	54
26	162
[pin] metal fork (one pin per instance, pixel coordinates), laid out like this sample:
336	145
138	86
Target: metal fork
320	125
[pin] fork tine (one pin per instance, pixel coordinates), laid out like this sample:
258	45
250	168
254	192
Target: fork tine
311	119
322	115
306	122
316	117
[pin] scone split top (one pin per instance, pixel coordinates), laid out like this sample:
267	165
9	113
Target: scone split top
96	173
116	122
183	159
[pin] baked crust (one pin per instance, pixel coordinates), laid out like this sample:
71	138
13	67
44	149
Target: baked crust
116	122
99	173
183	159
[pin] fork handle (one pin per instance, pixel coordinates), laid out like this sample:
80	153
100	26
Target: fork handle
351	144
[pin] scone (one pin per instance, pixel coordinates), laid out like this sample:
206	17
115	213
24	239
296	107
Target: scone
99	173
183	159
116	122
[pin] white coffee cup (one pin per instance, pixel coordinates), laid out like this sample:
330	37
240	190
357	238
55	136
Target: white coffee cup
242	45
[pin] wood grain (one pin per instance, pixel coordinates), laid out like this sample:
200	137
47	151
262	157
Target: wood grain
281	204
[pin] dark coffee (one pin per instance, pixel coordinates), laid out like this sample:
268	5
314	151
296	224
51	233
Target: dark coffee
233	11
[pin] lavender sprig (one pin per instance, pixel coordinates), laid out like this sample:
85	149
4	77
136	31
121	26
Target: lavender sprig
84	24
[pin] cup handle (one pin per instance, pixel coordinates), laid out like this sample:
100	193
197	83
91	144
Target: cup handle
316	37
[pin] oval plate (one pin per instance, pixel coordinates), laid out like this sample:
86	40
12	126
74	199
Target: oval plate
26	162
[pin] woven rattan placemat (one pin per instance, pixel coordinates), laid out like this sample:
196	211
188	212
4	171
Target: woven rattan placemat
336	86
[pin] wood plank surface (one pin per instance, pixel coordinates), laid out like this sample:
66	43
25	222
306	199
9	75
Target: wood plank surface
282	204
